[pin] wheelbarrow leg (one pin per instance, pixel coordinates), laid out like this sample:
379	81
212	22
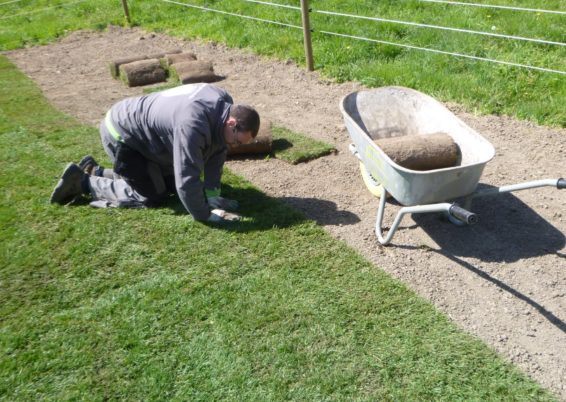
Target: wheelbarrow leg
452	210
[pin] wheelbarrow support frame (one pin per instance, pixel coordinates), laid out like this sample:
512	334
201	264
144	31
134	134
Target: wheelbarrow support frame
457	215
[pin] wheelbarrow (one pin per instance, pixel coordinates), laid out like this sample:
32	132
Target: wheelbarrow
396	111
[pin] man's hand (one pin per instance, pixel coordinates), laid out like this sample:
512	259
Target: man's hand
221	216
223	203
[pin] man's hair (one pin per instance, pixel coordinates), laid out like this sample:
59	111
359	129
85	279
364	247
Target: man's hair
246	117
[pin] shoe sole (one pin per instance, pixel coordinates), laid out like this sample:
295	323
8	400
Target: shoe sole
59	195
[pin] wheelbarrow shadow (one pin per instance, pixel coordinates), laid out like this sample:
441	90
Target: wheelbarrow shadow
508	230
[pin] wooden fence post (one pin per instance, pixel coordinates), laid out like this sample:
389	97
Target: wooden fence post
126	12
307	34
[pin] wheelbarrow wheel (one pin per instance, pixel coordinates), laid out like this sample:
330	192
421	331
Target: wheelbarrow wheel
373	185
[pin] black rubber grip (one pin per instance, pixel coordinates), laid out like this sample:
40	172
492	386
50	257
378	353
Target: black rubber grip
561	184
463	215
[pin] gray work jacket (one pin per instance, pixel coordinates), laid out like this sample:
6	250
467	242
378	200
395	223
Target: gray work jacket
181	129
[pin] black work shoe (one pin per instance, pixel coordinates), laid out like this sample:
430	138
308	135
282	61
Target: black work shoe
88	165
70	185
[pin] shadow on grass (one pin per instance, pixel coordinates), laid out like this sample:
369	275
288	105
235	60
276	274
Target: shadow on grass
259	211
280	144
262	212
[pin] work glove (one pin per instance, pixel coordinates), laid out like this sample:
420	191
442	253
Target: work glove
223	203
221	216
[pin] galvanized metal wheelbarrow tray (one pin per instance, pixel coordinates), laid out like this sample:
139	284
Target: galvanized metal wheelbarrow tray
397	111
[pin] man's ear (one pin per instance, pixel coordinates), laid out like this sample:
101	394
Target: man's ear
231	122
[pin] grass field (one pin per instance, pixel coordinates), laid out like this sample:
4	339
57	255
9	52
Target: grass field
150	305
480	86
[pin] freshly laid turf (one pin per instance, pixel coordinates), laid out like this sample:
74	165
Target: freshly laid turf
481	86
296	148
150	305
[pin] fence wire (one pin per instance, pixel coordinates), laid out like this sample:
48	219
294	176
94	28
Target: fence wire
42	9
273	4
8	2
459	3
467	56
332	13
233	14
468	31
454	54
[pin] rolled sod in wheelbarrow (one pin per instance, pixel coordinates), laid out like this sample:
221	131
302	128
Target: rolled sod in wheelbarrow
189	72
142	72
115	64
262	143
421	152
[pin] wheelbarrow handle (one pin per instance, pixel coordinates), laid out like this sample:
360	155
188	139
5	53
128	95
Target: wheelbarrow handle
462	214
561	184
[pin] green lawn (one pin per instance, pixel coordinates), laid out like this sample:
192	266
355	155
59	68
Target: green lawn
150	305
480	86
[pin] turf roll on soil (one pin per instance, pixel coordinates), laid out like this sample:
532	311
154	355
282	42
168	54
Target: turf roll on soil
163	54
170	59
142	72
115	64
261	144
189	72
421	152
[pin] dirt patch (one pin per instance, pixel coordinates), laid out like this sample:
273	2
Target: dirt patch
503	280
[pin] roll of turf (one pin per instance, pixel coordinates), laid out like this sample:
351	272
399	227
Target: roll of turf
189	72
142	72
422	152
262	143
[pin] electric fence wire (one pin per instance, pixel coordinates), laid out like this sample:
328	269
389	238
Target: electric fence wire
538	10
459	3
542	41
233	14
548	70
435	27
9	2
102	22
274	4
42	9
374	40
360	37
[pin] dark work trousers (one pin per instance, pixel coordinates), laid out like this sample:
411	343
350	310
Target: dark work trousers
134	181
